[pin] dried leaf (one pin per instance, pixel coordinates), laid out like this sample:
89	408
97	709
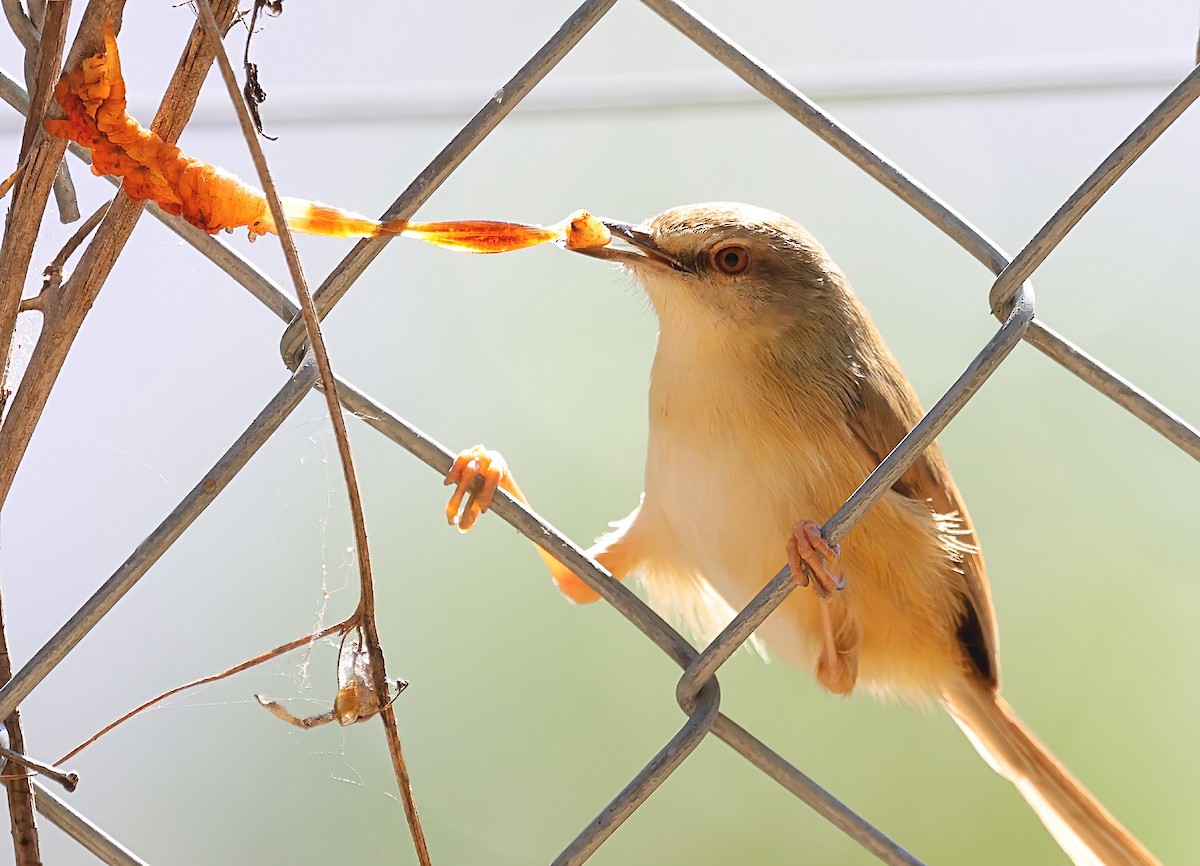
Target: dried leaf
356	699
255	96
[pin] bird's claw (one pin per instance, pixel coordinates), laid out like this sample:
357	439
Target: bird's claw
476	473
810	557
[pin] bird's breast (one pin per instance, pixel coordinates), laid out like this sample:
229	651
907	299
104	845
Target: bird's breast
734	460
724	480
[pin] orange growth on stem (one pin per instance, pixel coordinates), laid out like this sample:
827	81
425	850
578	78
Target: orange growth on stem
212	199
93	98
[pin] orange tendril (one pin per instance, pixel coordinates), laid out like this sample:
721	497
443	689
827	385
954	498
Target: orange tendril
212	199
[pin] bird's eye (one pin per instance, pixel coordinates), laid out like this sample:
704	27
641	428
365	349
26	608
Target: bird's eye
731	260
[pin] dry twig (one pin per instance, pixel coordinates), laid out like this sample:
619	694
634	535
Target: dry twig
364	615
31	30
41	157
43	58
62	322
228	672
253	90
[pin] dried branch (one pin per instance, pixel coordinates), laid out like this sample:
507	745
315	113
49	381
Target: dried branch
43	56
20	794
24	29
80	291
44	59
365	613
63	320
31	194
253	90
48	54
69	780
356	700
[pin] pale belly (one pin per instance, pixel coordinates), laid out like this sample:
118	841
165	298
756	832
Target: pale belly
723	506
729	521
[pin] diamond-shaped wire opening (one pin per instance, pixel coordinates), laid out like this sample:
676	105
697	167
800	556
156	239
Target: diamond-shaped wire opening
698	691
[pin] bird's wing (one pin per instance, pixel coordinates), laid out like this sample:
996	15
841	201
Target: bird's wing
884	408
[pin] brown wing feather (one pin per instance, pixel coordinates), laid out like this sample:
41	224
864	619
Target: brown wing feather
884	408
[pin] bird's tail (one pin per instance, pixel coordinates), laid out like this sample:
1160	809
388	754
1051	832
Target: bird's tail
1084	829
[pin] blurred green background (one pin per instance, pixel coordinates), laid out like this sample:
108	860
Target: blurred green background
525	715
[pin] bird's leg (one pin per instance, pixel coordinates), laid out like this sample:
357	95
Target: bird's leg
476	473
837	669
809	558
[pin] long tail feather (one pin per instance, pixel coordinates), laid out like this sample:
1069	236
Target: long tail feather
1084	829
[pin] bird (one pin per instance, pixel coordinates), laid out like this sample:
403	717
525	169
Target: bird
772	397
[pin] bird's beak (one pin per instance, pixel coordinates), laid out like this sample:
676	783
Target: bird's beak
639	247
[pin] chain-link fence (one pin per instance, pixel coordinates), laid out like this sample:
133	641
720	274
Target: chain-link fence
697	691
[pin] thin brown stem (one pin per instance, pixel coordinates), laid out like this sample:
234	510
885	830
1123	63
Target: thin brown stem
53	27
59	330
45	57
49	57
67	779
42	157
212	678
16	778
365	613
53	271
8	182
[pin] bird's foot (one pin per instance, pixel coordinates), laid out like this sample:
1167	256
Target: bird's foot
810	557
476	472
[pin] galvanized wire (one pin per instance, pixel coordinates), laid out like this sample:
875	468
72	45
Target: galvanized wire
652	775
666	638
950	222
66	818
426	183
1097	184
159	541
697	690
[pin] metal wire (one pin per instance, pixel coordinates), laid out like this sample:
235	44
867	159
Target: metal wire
426	183
644	783
83	831
1122	392
158	541
928	205
697	690
1100	181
